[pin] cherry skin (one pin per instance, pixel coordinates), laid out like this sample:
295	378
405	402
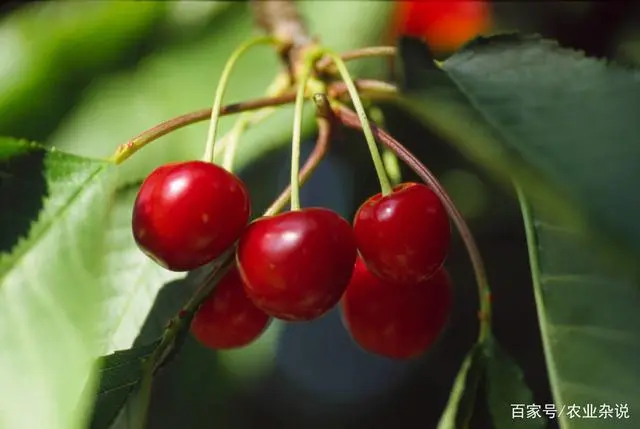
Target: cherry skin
187	214
296	265
403	237
395	321
228	319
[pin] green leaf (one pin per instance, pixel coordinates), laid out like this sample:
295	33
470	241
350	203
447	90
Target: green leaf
130	280
120	373
137	310
461	401
54	212
183	77
562	124
505	387
589	322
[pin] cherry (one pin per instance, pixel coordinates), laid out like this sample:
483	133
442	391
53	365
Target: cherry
403	237
228	319
395	321
444	25
296	265
187	214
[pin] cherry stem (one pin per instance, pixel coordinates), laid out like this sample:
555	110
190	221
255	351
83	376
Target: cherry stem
175	326
350	119
305	74
373	51
247	119
385	184
222	86
390	160
240	127
317	154
234	137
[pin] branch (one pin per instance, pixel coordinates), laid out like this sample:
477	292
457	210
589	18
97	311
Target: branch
280	19
124	151
337	89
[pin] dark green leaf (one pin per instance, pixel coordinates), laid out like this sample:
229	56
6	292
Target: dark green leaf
589	322
566	126
506	387
463	393
54	213
120	373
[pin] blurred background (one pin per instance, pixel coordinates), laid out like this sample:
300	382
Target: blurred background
86	76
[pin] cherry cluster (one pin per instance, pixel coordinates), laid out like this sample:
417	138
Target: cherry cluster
386	268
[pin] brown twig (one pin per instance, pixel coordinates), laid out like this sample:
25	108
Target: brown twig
335	90
374	51
125	150
326	120
351	120
280	18
378	88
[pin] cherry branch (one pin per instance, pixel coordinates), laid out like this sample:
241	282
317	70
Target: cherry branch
335	90
373	51
281	19
350	119
124	151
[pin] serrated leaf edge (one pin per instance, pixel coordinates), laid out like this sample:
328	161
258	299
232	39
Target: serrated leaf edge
21	248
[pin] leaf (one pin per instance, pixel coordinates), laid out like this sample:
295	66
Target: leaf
140	297
120	373
49	303
504	384
505	387
182	78
589	321
130	281
459	407
547	116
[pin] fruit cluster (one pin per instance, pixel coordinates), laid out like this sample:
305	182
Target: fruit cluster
386	268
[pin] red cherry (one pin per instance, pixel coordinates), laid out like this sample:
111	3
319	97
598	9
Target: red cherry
296	265
187	214
403	237
445	25
395	321
227	319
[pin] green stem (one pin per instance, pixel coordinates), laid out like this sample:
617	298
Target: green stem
222	86
385	184
233	138
390	160
143	397
247	119
319	151
297	129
